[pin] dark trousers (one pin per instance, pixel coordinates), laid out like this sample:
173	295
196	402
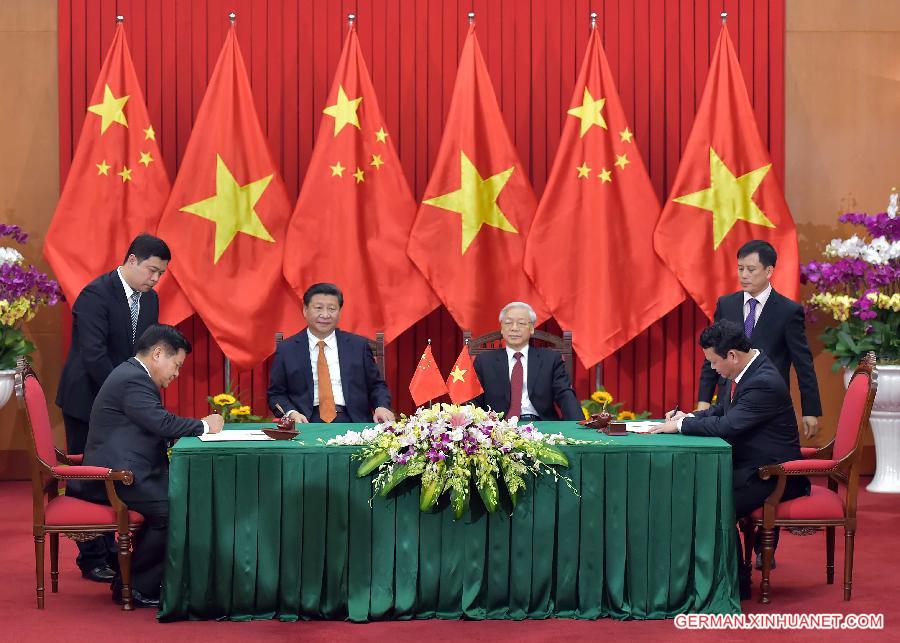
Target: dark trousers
99	551
752	496
341	418
149	553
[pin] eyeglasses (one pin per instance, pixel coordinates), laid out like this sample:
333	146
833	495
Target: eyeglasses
515	323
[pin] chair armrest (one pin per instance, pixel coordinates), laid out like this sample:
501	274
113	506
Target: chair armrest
65	458
818	453
81	472
798	468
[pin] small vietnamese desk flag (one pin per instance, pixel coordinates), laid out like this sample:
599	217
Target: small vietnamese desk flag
226	220
427	383
588	251
355	210
116	187
469	234
725	193
462	383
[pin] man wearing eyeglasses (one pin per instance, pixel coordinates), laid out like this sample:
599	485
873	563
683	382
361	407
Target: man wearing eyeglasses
521	380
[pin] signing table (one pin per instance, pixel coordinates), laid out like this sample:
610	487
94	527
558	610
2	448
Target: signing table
283	529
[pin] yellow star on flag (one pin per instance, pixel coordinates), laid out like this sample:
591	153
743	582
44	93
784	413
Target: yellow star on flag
360	175
626	135
476	201
589	112
146	159
337	169
125	173
110	110
343	111
458	374
583	171
376	161
381	135
102	168
728	197
231	208
622	160
605	176
149	134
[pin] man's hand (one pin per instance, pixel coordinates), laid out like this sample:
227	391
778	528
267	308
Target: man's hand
669	426
382	415
215	422
298	417
675	415
810	426
702	406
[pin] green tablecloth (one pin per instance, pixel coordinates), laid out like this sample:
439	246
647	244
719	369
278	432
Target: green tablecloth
279	529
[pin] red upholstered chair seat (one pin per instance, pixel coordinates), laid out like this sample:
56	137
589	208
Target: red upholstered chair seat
64	510
820	504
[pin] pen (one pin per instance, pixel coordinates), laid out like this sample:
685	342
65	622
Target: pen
675	410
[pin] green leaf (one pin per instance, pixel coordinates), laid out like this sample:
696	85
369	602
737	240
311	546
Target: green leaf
371	463
489	493
551	455
400	473
432	486
459	501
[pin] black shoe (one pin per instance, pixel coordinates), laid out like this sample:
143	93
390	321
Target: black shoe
758	564
99	574
137	599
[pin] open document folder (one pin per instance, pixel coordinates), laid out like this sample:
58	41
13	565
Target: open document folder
235	435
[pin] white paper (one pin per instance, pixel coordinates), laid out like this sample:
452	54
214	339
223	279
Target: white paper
236	435
640	427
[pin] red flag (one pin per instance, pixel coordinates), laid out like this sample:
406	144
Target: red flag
355	210
427	383
469	234
117	184
462	383
725	193
599	201
226	220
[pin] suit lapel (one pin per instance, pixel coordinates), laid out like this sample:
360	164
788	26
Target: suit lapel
343	346
748	375
501	373
769	311
735	310
120	306
303	360
534	366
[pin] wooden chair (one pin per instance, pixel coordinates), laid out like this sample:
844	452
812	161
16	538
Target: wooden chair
824	507
56	514
541	338
376	344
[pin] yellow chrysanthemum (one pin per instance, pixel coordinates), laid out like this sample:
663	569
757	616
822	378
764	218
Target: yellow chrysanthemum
601	397
241	410
223	399
625	415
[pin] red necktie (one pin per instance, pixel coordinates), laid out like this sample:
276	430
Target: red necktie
515	387
733	386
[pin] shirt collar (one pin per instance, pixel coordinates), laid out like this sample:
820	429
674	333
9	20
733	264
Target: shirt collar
330	341
510	352
128	289
761	297
144	366
755	353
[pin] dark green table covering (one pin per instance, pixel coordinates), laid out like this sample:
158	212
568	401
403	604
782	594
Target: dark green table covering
279	529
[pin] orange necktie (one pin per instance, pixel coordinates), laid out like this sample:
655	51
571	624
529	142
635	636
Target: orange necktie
326	395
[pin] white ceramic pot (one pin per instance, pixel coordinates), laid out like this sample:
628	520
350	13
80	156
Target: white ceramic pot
885	421
7	380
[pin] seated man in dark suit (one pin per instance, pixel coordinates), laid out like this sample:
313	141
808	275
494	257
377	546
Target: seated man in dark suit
756	417
323	374
523	381
128	430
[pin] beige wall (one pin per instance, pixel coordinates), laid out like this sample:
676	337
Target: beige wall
842	128
29	180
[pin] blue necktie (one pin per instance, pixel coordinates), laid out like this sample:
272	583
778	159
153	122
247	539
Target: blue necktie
750	321
135	308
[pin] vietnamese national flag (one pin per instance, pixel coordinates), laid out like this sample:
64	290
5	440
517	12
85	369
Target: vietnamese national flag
352	219
116	187
589	251
426	383
469	234
725	193
226	219
462	383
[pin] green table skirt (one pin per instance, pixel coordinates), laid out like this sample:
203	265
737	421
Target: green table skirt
286	530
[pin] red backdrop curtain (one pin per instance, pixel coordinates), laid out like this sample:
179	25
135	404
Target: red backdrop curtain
658	51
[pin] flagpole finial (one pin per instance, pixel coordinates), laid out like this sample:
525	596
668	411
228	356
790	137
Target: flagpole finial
351	19
593	19
232	17
429	341
723	16
471	17
120	19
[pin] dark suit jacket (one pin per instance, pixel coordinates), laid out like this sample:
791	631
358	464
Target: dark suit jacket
291	379
547	383
101	340
780	333
129	428
759	424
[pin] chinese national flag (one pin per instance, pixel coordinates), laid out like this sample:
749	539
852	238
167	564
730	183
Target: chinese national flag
469	233
117	184
426	383
463	384
226	219
589	251
725	193
355	210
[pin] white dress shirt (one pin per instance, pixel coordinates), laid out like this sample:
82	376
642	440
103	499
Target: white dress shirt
334	366
527	406
136	359
129	291
761	298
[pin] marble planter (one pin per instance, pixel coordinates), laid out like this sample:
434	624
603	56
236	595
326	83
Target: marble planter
7	379
885	422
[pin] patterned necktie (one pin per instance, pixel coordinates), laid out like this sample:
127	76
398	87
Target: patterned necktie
327	412
750	321
135	308
516	380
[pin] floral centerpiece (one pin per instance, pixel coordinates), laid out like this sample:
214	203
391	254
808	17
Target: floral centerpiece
858	285
230	407
450	447
602	400
23	289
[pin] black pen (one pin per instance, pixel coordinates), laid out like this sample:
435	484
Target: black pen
675	410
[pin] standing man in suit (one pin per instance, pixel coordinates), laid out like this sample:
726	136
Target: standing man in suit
774	324
109	313
129	429
754	415
523	381
323	374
